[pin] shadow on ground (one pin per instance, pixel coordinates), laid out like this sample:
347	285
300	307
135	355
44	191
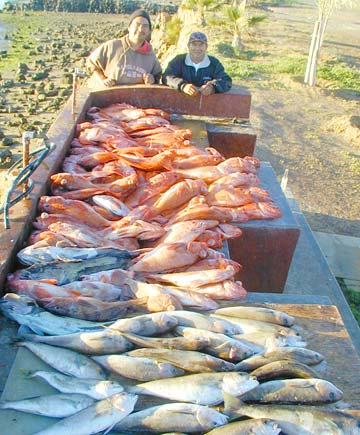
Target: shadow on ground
331	224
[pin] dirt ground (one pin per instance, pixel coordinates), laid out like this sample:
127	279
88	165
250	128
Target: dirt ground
312	132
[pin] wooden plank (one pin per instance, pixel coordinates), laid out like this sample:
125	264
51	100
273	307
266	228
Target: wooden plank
321	326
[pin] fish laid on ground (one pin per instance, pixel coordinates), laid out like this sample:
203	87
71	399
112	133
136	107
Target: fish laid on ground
95	388
91	343
247	326
270	340
96	418
66	361
53	405
299	354
172	417
199	388
97	289
180	343
88	308
310	391
220	345
170	256
189	360
25	311
31	255
197	320
257	313
196	278
253	426
64	272
141	369
186	297
147	324
298	420
284	369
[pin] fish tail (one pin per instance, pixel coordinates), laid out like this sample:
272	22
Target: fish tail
232	406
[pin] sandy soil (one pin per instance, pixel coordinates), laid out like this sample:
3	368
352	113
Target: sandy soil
314	132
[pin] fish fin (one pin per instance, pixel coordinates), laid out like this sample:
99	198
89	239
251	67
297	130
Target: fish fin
53	281
109	429
232	406
24	329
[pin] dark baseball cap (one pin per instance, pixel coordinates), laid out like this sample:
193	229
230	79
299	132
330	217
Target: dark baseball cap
139	13
198	36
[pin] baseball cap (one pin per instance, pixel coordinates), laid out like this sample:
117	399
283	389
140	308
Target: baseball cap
198	36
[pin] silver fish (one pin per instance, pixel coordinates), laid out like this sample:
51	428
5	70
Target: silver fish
95	388
71	270
283	369
188	360
197	320
310	391
147	324
299	354
220	345
180	343
199	388
111	204
25	311
141	369
101	416
30	255
253	426
53	405
91	343
297	420
246	326
66	361
173	417
263	341
257	313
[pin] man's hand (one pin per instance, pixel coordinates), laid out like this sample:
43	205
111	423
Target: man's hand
207	89
109	82
148	79
190	89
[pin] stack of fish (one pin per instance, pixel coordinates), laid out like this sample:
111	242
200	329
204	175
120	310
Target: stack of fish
239	370
147	210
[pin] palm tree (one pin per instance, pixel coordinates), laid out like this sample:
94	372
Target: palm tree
200	7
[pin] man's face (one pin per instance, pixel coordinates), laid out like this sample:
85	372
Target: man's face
197	50
139	30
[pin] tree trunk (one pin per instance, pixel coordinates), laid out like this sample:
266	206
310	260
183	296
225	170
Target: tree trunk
311	52
237	42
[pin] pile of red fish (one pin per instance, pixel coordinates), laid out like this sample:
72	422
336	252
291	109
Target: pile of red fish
134	181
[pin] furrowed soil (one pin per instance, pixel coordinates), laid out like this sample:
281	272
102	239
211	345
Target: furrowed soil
312	132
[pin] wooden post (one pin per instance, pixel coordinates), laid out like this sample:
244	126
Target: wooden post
27	135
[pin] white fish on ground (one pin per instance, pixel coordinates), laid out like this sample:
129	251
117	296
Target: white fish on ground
220	345
95	388
253	426
306	391
146	324
66	361
246	326
91	343
111	204
25	311
199	388
30	255
141	369
53	405
99	417
188	360
263	341
257	313
197	320
173	417
299	354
